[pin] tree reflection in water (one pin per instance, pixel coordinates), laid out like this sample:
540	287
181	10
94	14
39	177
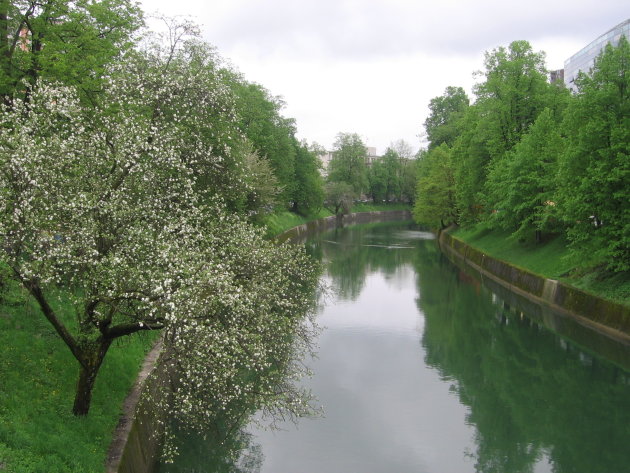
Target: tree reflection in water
533	396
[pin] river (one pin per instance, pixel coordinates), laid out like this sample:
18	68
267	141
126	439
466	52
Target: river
420	368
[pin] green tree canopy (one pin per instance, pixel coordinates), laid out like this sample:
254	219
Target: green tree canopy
435	199
348	162
444	113
70	41
594	194
522	186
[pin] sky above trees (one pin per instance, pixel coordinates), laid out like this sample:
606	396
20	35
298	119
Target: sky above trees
372	66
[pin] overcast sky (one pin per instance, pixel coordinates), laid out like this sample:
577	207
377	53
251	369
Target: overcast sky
372	66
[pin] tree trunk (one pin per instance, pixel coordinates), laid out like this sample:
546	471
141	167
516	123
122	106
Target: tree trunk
90	364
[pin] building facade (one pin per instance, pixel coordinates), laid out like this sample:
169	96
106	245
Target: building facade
584	59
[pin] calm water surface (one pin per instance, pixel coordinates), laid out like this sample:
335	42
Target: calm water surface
422	369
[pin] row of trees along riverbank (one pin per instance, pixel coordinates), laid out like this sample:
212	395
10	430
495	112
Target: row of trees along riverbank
131	164
534	160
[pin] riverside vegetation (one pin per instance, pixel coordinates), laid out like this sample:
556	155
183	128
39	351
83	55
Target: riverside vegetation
536	174
135	170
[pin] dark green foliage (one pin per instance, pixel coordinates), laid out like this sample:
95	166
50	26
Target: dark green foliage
308	196
594	192
71	41
531	158
470	158
384	177
435	200
511	97
521	186
348	162
445	112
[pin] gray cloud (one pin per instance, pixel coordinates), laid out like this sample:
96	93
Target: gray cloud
352	30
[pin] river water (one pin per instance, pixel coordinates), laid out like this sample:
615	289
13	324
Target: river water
420	368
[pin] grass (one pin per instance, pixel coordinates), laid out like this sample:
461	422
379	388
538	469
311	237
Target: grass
550	258
283	220
38	375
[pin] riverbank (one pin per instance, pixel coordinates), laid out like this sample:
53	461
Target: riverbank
549	258
130	452
38	432
279	222
600	314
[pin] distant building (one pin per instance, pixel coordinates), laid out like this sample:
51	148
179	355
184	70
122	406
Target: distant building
325	158
556	76
584	59
371	155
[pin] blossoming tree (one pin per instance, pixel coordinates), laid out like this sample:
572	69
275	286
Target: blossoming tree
116	211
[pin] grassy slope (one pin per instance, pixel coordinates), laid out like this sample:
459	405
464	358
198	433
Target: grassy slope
281	221
38	432
550	259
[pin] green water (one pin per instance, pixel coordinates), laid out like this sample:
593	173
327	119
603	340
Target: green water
423	369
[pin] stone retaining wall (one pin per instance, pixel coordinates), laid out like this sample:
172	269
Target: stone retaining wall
604	316
327	223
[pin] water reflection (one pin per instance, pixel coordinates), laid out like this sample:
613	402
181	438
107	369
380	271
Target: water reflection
538	402
423	369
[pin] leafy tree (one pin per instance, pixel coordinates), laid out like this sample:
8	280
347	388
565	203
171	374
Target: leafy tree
339	197
514	92
71	41
444	113
263	186
435	200
377	180
470	157
309	185
522	186
272	135
384	177
595	169
408	180
104	210
348	162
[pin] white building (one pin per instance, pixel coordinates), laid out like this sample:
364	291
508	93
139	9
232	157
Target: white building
584	59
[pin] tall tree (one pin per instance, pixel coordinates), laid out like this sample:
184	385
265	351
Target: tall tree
594	194
470	160
522	186
435	200
70	41
384	176
514	92
348	162
309	186
102	208
272	135
444	113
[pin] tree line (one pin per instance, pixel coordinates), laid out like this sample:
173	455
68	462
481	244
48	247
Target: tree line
533	158
131	167
389	178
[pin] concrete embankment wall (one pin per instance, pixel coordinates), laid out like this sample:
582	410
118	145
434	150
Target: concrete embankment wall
135	447
604	316
328	223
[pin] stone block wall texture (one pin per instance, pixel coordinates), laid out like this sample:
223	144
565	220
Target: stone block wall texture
609	316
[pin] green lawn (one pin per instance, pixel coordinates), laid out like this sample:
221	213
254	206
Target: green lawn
38	374
549	258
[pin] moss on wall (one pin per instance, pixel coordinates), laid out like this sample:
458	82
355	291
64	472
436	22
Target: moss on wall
608	316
